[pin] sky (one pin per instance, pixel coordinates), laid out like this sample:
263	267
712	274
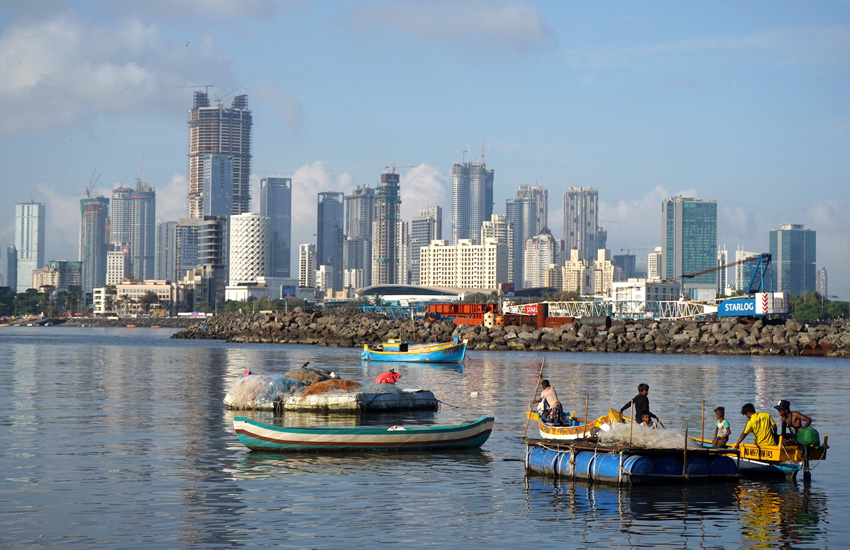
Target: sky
745	103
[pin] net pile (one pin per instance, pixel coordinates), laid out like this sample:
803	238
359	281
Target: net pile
332	385
641	436
310	375
254	391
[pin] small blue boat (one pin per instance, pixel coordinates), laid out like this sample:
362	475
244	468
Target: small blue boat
398	351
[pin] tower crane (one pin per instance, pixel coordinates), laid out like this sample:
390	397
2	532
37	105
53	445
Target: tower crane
393	166
92	183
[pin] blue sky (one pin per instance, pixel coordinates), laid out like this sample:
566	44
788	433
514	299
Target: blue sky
746	103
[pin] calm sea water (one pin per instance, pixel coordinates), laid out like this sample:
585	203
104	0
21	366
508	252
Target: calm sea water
117	438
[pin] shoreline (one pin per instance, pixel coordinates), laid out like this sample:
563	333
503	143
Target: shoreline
354	329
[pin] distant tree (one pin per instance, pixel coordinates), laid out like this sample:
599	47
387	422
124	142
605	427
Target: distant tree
148	299
475	298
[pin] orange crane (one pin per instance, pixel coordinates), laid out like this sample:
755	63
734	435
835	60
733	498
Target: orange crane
92	183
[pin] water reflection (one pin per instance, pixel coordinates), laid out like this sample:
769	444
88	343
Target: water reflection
780	515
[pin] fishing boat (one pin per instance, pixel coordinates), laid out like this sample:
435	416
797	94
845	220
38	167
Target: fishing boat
264	437
400	351
571	427
774	460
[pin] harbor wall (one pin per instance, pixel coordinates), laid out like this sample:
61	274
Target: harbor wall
352	328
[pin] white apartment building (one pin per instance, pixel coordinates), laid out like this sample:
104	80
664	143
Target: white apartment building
642	290
577	274
307	265
603	273
117	265
464	265
250	247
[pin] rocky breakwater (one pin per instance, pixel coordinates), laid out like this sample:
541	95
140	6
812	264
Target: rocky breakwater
351	328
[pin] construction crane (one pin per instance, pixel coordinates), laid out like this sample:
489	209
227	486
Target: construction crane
392	167
206	87
92	183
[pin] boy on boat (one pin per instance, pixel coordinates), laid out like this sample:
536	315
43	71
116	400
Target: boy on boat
761	425
646	421
721	429
641	403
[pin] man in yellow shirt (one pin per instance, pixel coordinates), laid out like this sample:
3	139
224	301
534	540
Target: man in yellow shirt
761	425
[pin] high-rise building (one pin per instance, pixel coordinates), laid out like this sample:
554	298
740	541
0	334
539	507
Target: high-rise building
577	275
218	185
12	267
722	271
527	212
821	285
743	271
94	212
472	199
654	264
385	251
118	265
627	265
540	251
60	274
276	204
498	227
143	231
120	222
329	233
793	252
360	212
29	241
307	265
202	254
250	247
689	244
424	229
166	251
581	222
217	130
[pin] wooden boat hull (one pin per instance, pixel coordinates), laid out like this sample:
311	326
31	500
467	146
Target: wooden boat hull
771	460
580	428
264	437
392	352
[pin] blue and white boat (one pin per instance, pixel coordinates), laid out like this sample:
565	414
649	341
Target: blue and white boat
396	351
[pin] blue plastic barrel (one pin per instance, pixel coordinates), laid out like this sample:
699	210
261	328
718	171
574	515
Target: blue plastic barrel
697	466
668	466
584	463
723	466
544	461
606	467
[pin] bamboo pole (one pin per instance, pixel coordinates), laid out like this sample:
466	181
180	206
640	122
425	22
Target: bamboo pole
685	453
702	431
586	404
632	425
539	378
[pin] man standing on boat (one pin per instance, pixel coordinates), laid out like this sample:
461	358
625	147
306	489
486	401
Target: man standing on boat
641	404
761	425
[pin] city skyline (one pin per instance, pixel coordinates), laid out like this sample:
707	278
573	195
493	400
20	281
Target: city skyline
739	104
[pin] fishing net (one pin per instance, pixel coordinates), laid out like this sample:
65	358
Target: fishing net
260	391
334	384
310	375
641	436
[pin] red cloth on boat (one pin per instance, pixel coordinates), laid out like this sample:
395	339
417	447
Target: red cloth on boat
387	377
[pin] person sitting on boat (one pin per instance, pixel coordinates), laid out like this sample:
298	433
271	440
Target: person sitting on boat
791	421
721	429
552	408
647	422
761	425
641	403
389	377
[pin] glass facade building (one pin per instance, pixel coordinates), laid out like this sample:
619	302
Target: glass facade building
689	242
793	251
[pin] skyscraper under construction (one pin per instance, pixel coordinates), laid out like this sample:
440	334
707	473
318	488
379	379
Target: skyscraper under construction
217	130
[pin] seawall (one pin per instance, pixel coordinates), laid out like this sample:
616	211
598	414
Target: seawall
352	328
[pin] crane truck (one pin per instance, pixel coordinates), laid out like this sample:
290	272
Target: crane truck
760	300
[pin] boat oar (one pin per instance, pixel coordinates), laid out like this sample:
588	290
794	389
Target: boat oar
530	405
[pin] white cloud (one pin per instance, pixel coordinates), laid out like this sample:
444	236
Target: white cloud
635	224
482	25
207	9
62	71
421	187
